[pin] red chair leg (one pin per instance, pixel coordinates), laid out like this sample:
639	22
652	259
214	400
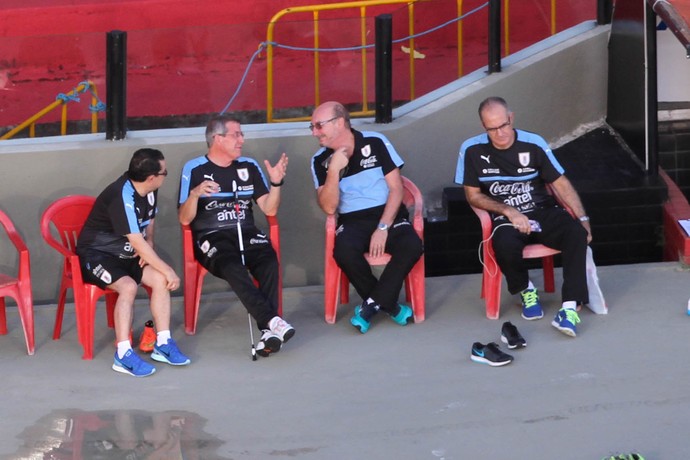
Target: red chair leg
197	298
59	313
549	284
86	315
189	289
344	288
110	301
331	286
25	305
3	317
415	289
491	284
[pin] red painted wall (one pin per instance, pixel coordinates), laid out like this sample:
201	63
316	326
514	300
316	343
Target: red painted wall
189	57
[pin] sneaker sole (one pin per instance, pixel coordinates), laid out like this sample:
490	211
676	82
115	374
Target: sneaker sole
161	358
272	345
123	370
512	346
362	329
532	318
288	335
479	359
565	330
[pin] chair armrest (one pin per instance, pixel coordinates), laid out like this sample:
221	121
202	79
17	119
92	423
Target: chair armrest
274	234
485	220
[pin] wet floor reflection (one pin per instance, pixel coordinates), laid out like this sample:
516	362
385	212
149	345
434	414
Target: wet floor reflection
118	434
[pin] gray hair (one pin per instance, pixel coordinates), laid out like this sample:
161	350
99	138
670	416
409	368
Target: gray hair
216	125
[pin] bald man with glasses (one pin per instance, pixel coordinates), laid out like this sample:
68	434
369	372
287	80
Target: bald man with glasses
357	175
505	171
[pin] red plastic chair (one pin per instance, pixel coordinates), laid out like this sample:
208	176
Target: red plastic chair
492	275
68	215
194	274
336	284
19	287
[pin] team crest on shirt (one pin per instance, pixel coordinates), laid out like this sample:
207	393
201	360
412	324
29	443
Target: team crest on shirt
366	151
243	174
523	158
151	198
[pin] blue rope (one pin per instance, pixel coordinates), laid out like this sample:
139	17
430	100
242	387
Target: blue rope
263	45
99	106
246	71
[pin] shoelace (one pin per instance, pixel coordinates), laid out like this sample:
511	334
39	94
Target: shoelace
571	315
530	298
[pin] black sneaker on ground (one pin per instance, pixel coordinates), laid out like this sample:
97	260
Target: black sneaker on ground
489	354
511	337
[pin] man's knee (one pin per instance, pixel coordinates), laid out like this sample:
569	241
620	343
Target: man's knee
125	286
154	279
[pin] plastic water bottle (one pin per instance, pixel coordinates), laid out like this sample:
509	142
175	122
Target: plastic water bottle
688	307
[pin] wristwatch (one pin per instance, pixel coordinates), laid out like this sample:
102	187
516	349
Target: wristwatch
383	227
584	219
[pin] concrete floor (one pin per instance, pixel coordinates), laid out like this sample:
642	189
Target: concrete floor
394	393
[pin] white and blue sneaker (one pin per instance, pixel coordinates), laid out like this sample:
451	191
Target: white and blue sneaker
132	364
170	354
531	308
565	321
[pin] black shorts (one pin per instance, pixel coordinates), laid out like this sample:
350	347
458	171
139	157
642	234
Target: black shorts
103	269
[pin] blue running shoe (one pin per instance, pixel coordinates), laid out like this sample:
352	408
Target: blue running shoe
531	308
170	354
403	316
132	364
359	322
565	321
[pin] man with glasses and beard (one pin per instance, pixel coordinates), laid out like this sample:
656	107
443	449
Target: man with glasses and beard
505	171
357	175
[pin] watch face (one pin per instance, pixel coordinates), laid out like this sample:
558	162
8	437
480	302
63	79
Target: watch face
383	227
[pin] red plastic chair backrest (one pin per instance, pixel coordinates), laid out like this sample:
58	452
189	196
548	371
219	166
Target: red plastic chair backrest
12	232
412	199
67	215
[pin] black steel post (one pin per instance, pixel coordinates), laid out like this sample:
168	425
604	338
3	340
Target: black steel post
116	85
652	103
494	36
604	11
384	68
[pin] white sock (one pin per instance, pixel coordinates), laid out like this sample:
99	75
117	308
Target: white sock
569	305
123	347
162	337
529	286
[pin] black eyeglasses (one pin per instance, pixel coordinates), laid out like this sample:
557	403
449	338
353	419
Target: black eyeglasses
319	124
162	173
498	128
236	135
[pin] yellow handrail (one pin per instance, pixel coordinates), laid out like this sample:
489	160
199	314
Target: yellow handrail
81	88
362	5
506	24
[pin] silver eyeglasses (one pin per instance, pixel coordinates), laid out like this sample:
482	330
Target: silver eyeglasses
320	124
